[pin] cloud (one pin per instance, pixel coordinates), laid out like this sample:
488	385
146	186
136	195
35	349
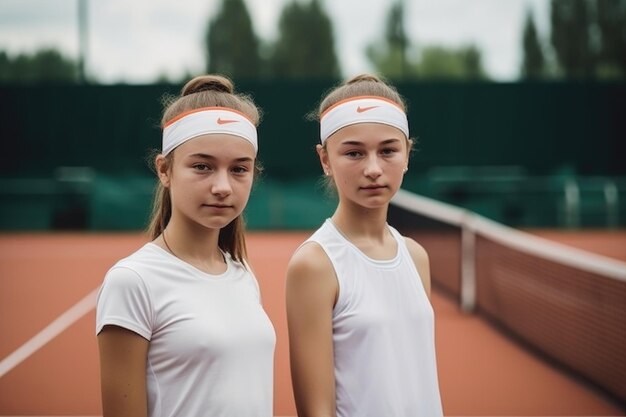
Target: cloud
140	40
136	41
29	25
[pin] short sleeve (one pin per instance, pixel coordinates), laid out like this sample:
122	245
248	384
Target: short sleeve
124	301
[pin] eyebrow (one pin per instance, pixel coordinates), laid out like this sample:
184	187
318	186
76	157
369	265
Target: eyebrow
356	142
211	157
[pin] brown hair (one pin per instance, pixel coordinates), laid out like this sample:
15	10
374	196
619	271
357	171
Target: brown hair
361	85
203	91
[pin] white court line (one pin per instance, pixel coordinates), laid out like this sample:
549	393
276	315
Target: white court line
65	320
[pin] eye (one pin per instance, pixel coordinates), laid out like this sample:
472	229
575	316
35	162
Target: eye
353	154
201	167
240	169
388	151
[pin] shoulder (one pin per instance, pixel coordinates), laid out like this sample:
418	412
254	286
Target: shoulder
310	270
243	269
123	285
420	259
128	273
123	275
144	256
309	259
124	300
417	251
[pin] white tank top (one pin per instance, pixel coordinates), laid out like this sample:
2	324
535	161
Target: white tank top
383	332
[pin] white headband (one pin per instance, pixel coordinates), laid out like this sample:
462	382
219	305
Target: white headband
205	121
362	109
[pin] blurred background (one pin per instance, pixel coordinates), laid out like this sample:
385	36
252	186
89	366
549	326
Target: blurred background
517	111
516	106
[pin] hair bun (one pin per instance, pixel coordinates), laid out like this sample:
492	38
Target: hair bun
363	77
208	83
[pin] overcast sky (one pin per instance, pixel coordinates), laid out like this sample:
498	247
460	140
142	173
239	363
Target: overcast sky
135	41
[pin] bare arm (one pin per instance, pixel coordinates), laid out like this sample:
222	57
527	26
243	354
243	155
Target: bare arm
123	356
420	258
311	293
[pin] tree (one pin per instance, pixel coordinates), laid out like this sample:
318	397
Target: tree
571	38
46	65
464	63
611	23
305	47
390	56
391	61
396	34
533	65
232	46
471	58
396	58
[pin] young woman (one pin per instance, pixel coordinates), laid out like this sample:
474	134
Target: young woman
181	331
361	326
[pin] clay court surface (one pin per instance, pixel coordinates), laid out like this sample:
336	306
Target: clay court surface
48	283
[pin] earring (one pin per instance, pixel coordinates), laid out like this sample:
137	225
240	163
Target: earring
405	169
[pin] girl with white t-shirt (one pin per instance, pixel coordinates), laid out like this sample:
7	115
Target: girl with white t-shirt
181	330
361	326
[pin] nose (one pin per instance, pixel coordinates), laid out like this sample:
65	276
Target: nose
372	167
221	186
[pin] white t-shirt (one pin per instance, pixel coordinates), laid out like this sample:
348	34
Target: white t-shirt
383	333
211	345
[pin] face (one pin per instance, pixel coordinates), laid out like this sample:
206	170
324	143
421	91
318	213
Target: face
210	179
367	162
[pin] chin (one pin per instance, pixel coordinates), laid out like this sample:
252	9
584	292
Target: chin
375	203
216	223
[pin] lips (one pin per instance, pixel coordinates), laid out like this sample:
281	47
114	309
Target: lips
218	206
373	187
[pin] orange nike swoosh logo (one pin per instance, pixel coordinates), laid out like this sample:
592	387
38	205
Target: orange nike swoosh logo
364	109
221	121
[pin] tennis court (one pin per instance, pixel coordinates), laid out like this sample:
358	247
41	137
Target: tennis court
48	351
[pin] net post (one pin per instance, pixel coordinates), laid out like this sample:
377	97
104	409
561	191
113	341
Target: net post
572	203
468	267
611	196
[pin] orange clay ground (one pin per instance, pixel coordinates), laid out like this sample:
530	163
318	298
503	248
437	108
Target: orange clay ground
44	276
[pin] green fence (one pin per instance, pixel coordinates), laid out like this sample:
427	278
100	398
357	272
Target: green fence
124	203
77	199
544	154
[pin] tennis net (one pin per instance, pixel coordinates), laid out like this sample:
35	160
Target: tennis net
567	303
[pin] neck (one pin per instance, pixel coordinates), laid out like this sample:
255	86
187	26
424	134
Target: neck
357	221
194	246
367	230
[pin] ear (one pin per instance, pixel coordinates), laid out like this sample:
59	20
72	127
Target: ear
163	170
409	148
323	154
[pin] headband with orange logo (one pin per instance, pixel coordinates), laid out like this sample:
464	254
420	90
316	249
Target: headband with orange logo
204	121
362	109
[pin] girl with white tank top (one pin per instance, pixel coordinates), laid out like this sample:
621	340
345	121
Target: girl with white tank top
361	326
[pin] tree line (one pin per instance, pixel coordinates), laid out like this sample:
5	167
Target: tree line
587	39
305	47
